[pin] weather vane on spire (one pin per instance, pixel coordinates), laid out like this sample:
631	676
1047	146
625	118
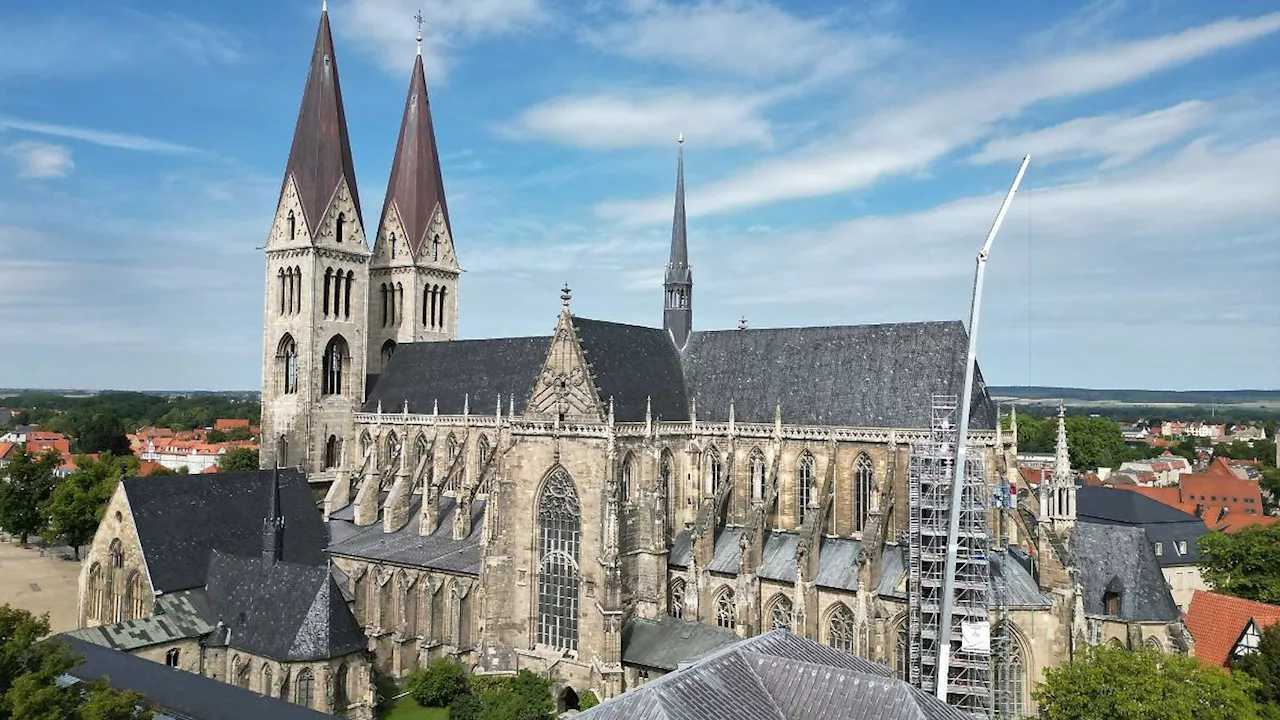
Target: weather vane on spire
420	20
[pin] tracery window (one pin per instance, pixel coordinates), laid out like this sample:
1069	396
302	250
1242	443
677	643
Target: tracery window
335	353
757	475
804	486
864	476
241	679
451	448
780	613
675	600
134	598
559	530
95	592
287	351
306	687
483	450
900	658
420	449
1008	676
841	632
340	684
171	657
714	470
266	681
668	497
726	611
624	478
393	449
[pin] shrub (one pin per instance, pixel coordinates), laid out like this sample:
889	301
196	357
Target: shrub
438	684
588	700
464	707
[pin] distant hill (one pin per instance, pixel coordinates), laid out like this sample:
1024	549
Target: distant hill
1138	397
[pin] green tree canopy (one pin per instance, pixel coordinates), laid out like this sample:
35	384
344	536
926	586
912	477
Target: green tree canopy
1115	684
238	459
25	484
77	503
1245	564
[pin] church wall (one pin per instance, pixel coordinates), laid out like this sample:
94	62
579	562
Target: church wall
125	591
284	680
188	653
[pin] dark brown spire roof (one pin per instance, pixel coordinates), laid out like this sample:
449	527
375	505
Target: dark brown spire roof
321	153
416	183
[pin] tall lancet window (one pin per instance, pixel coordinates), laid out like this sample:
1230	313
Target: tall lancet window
293	226
340	227
287	352
559	531
804	485
669	497
864	479
393	246
335	353
714	470
757	475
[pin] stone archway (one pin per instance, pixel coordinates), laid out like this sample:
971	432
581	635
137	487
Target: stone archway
568	700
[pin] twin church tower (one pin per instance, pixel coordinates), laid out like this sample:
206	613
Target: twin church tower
336	310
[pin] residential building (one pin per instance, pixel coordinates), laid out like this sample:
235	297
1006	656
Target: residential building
1226	627
1166	469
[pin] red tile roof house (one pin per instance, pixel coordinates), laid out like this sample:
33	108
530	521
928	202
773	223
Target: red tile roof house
1226	627
1221	498
225	424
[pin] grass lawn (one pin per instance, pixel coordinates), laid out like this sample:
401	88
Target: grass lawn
406	709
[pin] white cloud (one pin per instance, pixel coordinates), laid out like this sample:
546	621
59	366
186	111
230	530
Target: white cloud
910	137
1118	138
750	38
653	119
105	138
41	160
385	28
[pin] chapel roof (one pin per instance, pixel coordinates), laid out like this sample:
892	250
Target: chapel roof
1106	554
1163	524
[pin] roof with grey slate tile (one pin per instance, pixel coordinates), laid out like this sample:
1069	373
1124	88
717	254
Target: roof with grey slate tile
178	616
1165	525
1120	556
778	558
1012	585
282	611
177	693
851	375
180	518
667	643
776	676
405	546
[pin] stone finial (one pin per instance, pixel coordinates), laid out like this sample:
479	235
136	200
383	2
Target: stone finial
466	404
511	406
498	412
379	406
406	406
742	322
565	296
611	410
435	406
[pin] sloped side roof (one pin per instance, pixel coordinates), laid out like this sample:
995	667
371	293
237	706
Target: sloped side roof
422	373
177	693
179	616
1165	525
181	518
667	643
406	547
1103	553
632	364
416	185
284	612
1217	622
852	375
321	154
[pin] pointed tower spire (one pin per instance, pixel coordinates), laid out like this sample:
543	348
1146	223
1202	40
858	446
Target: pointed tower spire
320	159
677	316
1061	452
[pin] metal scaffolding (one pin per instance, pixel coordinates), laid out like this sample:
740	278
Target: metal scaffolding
930	476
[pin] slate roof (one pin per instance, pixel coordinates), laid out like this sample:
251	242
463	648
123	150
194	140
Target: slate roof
1012	585
837	560
1217	623
853	375
405	546
179	616
284	612
422	373
1165	525
416	185
776	676
180	518
321	154
178	693
667	643
1106	553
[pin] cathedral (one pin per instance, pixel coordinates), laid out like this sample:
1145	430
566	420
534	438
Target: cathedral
607	502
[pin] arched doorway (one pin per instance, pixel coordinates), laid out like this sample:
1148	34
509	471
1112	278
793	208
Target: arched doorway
568	700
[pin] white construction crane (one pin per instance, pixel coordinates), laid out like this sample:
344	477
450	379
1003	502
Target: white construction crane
958	472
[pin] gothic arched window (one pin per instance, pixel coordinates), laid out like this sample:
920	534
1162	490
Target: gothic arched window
266	681
864	478
451	447
241	679
283	288
669	498
340	684
483	450
393	450
420	449
780	613
337	293
559	530
804	485
331	452
900	657
443	291
386	311
346	305
366	442
172	657
135	600
675	599
328	283
841	628
340	227
287	354
726	611
297	289
756	464
95	592
306	687
431	293
1008	675
335	353
293	226
393	246
388	349
624	478
714	470
435	247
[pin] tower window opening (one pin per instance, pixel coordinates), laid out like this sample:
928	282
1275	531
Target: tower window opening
293	226
328	281
339	227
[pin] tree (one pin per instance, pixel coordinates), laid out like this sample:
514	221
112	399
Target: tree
1264	666
527	696
1094	442
98	429
437	684
78	502
161	470
238	459
588	700
1245	564
1119	684
26	484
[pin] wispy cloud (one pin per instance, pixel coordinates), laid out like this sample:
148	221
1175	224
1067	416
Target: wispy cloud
41	160
105	138
1117	138
910	137
747	38
652	119
385	28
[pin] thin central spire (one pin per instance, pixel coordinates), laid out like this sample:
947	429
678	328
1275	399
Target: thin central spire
679	240
677	315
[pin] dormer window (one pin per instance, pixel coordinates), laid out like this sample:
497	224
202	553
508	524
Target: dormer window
1159	549
1182	547
1112	596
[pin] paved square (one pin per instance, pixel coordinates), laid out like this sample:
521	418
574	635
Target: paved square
39	584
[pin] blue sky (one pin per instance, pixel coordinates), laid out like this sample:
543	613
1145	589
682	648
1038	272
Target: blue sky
844	162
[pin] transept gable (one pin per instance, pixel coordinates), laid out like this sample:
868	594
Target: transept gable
435	247
290	226
390	245
340	228
565	389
